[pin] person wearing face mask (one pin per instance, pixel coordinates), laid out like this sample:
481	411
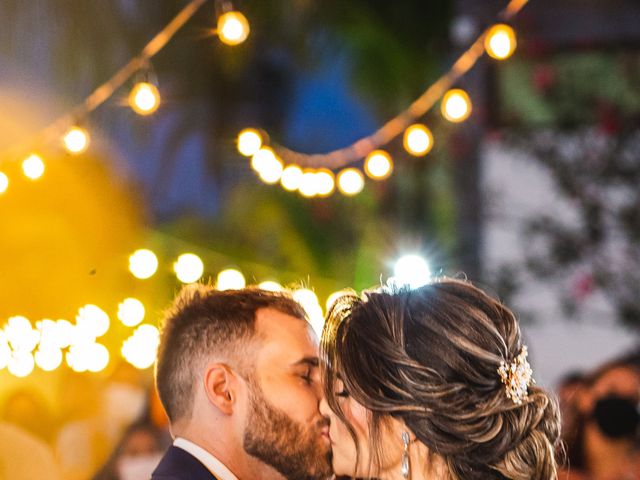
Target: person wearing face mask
605	445
136	455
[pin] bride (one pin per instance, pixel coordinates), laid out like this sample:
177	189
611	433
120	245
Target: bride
434	383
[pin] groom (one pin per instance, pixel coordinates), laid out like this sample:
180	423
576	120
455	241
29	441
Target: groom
237	373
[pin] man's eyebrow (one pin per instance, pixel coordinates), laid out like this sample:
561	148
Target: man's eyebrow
311	361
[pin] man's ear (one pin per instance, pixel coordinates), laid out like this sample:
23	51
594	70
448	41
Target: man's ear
219	385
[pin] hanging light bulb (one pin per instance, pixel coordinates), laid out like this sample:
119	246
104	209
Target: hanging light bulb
272	171
500	41
249	141
33	167
456	105
144	98
378	165
350	181
76	140
325	182
308	185
263	158
233	28
4	183
291	178
418	140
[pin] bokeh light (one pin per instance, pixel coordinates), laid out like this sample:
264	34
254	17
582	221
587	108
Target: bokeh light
48	358
233	28
20	334
309	301
230	279
272	170
378	165
76	140
412	270
5	350
291	178
33	167
143	263
21	363
270	285
308	185
188	268
144	98
350	181
131	312
500	41
418	140
91	322
456	105
141	347
4	183
249	141
325	182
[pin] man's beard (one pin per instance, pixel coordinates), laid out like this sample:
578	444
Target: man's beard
274	438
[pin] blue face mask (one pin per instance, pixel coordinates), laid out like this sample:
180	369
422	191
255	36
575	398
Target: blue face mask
617	417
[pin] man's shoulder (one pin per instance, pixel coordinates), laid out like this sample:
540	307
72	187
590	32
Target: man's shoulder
177	464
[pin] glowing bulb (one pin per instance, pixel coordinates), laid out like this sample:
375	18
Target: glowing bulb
270	286
131	312
48	358
500	41
456	105
5	351
21	364
350	181
63	333
418	140
92	322
4	183
378	165
143	263
263	158
20	334
144	98
249	141
33	167
189	268
291	177
412	270
325	182
233	28
308	185
140	349
230	279
272	171
97	357
76	140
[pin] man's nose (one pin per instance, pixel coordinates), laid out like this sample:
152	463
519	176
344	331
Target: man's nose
324	407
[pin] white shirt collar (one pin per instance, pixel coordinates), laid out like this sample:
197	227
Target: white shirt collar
215	466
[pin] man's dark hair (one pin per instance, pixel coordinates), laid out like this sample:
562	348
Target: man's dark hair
203	321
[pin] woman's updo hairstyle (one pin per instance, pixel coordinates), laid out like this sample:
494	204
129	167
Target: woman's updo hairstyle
430	357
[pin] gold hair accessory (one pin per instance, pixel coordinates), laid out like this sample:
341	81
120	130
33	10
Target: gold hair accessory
517	377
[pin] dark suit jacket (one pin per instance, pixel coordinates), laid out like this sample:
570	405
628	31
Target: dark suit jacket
180	465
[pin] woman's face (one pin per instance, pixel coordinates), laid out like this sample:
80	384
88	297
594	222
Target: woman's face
343	446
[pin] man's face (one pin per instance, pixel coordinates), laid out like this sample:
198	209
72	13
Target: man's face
284	427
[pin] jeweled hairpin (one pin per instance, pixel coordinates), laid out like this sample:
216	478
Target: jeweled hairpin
517	377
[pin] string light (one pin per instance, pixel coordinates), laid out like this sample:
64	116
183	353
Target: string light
249	141
144	98
76	140
378	165
21	364
271	171
92	321
33	167
20	334
325	182
350	181
230	279
270	285
131	312
418	140
143	264
291	177
233	28
188	268
140	349
48	358
500	41
308	185
264	157
4	183
456	105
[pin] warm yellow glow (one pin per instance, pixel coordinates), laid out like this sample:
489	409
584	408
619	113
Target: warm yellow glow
144	98
291	178
249	141
20	334
4	183
350	181
378	165
270	285
189	268
140	349
131	312
233	28
272	171
63	333
92	322
21	363
308	185
33	166
5	351
500	42
418	140
309	301
230	279
76	140
325	181
143	263
456	105
48	358
97	357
